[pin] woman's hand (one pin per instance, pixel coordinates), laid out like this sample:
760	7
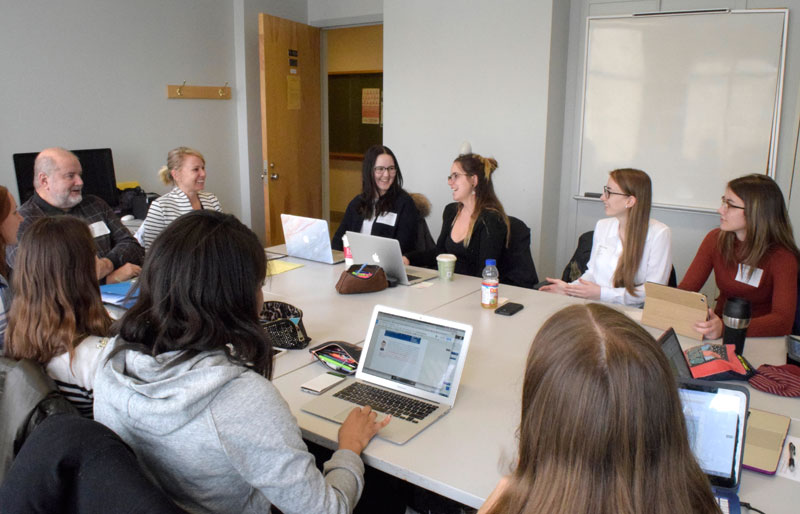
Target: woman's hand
359	428
406	261
556	286
711	329
583	289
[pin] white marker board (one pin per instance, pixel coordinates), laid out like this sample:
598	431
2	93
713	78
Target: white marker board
692	99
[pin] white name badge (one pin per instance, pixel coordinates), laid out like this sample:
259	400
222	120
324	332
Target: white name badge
99	228
387	219
744	276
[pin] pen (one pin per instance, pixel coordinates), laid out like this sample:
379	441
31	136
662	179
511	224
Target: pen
791	456
335	362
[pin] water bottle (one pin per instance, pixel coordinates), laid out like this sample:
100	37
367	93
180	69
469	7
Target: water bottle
489	285
348	255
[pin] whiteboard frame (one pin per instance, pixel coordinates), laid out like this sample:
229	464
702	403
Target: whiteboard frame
776	117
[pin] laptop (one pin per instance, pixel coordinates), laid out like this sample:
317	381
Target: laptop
716	416
386	253
309	238
410	367
671	347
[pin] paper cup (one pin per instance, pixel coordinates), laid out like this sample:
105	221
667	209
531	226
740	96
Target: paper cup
447	265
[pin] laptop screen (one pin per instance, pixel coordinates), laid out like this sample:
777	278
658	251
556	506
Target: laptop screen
715	420
415	353
672	349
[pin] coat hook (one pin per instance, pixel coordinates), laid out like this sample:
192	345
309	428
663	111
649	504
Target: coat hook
180	89
221	92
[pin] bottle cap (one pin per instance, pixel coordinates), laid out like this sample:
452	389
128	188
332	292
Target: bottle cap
491	262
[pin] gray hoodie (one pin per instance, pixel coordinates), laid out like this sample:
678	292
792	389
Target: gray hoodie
218	437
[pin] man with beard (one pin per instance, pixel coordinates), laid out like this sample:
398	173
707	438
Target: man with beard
58	185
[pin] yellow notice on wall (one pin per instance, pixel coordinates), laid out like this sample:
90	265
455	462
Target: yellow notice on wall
293	92
371	106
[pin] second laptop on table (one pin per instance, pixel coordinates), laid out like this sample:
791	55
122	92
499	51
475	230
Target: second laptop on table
386	253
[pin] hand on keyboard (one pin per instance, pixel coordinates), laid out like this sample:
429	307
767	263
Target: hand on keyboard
359	428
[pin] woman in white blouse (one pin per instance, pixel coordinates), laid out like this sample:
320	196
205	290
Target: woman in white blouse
628	248
186	170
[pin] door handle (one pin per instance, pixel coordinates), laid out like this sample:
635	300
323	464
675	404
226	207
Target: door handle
273	176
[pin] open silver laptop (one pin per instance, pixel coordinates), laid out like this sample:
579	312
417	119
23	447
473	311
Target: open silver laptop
716	415
386	253
410	368
309	238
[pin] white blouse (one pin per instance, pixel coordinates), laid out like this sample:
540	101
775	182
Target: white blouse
655	265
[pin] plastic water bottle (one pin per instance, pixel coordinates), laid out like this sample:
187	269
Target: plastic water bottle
348	255
490	285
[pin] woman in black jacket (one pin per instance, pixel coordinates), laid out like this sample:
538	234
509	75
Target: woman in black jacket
383	208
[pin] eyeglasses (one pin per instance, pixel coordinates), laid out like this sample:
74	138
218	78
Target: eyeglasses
454	176
608	192
380	169
726	204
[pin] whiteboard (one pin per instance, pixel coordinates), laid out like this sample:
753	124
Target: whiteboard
692	99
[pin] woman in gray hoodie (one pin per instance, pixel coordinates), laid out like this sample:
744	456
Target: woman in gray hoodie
187	383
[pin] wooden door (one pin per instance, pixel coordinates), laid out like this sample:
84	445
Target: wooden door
290	121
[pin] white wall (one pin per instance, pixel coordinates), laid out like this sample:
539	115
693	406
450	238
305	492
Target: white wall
338	13
473	71
688	229
93	73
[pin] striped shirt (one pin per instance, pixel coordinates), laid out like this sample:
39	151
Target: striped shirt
166	209
75	380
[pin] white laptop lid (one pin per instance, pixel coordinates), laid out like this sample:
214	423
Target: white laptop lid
382	251
414	354
716	415
307	238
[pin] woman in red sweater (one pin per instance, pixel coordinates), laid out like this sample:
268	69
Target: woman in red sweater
753	255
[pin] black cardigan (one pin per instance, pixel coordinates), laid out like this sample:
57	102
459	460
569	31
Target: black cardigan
404	228
487	242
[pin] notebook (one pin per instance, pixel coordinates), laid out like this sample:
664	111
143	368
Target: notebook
386	253
716	415
671	347
309	238
413	359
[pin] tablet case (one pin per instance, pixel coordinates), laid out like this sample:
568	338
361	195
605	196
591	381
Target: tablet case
766	433
666	307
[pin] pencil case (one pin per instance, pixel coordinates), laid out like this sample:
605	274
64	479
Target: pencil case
283	322
338	355
362	278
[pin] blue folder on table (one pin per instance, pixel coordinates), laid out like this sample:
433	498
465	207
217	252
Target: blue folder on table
122	294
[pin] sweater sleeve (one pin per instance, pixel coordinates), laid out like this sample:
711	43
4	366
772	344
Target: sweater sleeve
263	443
701	266
780	319
428	258
351	221
491	232
407	223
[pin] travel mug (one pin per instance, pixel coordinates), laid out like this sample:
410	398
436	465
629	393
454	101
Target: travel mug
736	319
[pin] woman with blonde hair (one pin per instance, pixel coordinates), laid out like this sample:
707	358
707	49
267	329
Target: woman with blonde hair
475	226
628	248
753	256
57	317
9	226
186	171
589	442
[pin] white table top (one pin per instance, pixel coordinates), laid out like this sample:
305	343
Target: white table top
464	454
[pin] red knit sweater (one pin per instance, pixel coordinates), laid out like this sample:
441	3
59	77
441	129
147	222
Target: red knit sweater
773	302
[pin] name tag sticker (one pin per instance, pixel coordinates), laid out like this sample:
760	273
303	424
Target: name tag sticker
388	219
99	228
744	276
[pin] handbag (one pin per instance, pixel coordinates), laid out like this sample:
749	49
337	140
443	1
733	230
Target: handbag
283	322
362	278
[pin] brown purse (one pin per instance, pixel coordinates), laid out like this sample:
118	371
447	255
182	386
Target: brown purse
362	278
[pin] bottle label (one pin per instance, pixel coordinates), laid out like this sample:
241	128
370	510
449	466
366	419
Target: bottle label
489	293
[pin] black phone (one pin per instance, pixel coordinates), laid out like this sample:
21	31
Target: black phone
509	309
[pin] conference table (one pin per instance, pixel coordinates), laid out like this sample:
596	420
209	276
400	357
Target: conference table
464	454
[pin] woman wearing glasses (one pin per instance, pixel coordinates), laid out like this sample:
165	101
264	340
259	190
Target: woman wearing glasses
383	208
628	248
753	255
475	226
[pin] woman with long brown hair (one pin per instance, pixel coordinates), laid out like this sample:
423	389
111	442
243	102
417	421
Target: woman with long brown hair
601	424
9	226
57	317
475	226
628	248
753	256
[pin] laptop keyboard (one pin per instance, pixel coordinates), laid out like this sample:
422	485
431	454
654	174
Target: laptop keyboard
397	405
411	278
723	505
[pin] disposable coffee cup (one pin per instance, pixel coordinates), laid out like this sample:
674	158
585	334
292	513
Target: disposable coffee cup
447	265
